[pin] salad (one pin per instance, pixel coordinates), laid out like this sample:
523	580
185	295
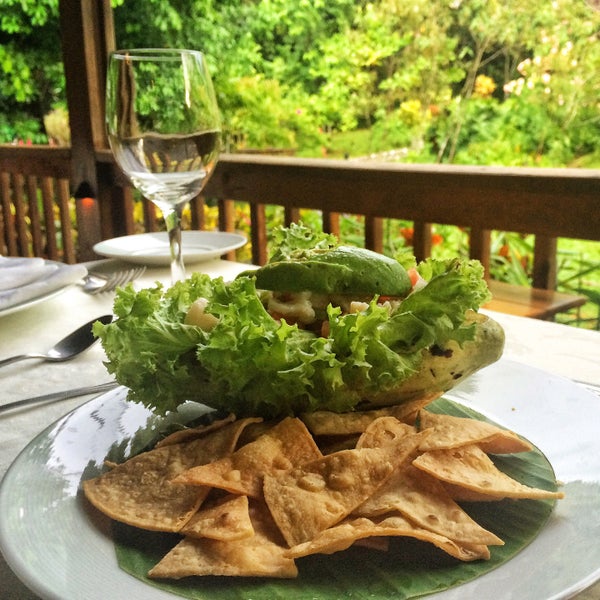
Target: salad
320	327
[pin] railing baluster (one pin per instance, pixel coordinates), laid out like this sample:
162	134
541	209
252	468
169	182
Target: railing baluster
197	207
37	236
258	233
227	219
291	215
479	247
374	233
331	223
421	240
545	269
63	198
8	220
150	219
20	218
51	249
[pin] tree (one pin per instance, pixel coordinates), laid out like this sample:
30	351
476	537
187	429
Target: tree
545	109
493	81
31	78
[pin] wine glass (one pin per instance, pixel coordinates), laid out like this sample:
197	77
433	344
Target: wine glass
164	129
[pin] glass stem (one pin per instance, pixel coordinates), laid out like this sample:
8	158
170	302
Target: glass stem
173	223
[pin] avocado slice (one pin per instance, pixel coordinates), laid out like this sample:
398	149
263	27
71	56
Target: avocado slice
441	371
342	270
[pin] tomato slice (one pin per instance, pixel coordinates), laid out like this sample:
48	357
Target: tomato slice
414	276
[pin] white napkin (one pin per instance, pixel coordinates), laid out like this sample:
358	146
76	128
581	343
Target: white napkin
25	279
15	272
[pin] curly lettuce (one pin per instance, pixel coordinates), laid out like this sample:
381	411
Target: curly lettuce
251	364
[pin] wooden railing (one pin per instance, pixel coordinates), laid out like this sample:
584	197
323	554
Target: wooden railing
549	203
35	205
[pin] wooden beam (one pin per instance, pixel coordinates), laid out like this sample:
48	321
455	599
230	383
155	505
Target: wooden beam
38	160
551	202
85	27
87	33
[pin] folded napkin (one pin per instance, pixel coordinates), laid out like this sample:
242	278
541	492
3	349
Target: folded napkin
26	279
15	272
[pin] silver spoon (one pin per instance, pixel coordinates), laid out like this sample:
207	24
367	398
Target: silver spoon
75	343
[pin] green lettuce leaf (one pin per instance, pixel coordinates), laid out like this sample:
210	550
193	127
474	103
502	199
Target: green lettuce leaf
288	241
251	364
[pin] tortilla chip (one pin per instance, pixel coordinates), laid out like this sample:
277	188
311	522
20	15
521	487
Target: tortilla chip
229	519
261	555
345	534
139	491
461	494
306	500
386	432
285	445
471	468
382	544
191	433
254	431
453	432
325	422
334	443
424	501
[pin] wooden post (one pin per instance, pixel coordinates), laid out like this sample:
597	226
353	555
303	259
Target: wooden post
545	269
87	34
479	247
258	234
374	233
421	240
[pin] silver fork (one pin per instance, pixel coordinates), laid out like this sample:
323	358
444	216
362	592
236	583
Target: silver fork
98	283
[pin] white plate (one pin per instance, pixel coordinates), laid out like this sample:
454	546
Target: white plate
153	248
30	303
48	287
62	551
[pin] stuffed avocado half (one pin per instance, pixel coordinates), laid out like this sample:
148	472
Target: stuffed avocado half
339	270
320	327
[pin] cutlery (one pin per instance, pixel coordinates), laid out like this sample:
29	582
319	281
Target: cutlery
98	283
75	343
64	395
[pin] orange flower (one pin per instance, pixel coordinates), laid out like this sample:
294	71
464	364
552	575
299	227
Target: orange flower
407	233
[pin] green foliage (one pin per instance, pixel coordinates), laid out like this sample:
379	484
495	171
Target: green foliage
407	70
31	79
21	126
262	115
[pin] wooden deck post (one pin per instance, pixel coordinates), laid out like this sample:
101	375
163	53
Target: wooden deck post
87	34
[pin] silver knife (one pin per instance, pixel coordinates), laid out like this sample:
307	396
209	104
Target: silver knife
64	395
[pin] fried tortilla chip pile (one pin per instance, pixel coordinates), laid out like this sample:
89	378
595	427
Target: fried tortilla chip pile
250	497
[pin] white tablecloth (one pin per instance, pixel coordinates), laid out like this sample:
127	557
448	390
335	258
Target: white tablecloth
567	351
